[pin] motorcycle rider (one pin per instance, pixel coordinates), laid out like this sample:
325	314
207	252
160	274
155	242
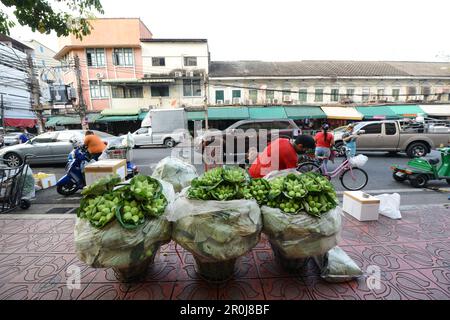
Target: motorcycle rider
94	144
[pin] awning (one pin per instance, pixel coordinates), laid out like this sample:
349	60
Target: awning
377	113
20	123
196	115
132	81
121	112
304	112
142	115
406	111
117	118
221	113
442	110
343	113
267	113
70	120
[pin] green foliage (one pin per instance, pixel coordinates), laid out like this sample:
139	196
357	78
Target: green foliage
40	16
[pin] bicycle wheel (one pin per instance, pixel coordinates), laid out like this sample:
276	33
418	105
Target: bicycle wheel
354	179
309	167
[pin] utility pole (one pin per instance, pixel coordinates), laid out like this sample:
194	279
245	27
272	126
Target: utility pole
35	93
81	106
3	114
206	100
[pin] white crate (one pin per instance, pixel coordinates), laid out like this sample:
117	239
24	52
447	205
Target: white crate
102	168
360	207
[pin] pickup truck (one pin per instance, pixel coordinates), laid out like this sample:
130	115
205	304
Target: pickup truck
393	136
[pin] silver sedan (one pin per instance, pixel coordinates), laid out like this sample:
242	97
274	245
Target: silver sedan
50	147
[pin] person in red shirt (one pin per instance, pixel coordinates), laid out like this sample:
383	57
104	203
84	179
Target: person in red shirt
280	154
324	141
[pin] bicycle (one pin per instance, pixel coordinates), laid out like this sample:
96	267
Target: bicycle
346	172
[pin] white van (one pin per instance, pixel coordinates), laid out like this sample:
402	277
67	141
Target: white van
162	127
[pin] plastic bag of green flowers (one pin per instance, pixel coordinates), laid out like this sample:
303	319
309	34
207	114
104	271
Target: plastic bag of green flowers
127	246
217	233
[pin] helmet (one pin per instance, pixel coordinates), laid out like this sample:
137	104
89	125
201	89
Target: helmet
325	126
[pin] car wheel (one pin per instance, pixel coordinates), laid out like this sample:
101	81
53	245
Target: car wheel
169	143
417	150
339	146
419	181
25	204
13	160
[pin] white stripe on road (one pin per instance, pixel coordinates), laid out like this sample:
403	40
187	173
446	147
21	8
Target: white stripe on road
390	191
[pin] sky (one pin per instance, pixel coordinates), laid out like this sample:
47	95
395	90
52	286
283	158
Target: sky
290	30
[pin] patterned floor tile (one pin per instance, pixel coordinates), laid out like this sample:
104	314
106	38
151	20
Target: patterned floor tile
17	291
46	270
355	236
244	289
195	290
320	290
267	266
285	289
32	243
14	264
66	226
104	291
377	255
411	285
150	291
440	251
416	256
246	267
42	226
440	276
59	291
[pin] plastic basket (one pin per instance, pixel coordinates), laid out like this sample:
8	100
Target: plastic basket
134	272
290	265
220	271
120	154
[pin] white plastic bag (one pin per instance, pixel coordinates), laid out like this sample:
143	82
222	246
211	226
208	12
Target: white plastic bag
390	205
175	171
337	266
359	161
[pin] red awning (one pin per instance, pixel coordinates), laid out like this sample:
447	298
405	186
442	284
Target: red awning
20	123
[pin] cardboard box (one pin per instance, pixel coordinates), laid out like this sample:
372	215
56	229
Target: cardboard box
102	168
360	207
49	180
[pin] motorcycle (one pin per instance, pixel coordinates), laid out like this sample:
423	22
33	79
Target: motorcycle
74	179
420	171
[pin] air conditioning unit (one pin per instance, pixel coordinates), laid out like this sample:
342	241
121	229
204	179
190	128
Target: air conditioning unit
189	74
219	102
71	93
287	98
227	102
236	100
269	101
178	74
100	75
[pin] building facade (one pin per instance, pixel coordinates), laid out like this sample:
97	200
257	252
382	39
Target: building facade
111	51
174	73
15	90
327	82
50	76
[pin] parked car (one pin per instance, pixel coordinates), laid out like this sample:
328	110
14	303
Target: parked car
414	138
49	147
238	139
12	138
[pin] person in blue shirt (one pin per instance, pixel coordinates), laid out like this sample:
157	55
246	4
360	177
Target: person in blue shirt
24	136
349	138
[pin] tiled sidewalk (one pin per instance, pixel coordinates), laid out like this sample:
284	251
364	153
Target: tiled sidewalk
413	254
